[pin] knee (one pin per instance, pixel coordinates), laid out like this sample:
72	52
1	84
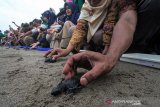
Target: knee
67	23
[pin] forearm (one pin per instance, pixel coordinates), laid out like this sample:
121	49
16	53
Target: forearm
17	25
27	33
75	41
78	36
123	34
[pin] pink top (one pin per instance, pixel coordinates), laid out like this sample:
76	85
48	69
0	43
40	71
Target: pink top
69	0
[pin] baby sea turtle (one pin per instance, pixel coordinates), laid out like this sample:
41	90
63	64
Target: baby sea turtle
68	86
50	60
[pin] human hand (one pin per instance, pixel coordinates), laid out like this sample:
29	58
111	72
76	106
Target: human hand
34	45
22	35
51	31
97	64
56	53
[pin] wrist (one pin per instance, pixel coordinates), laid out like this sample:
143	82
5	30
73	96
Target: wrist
113	58
70	47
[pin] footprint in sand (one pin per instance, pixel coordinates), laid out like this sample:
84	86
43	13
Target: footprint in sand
19	59
13	73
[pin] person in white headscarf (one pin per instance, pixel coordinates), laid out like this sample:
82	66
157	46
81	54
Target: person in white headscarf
95	15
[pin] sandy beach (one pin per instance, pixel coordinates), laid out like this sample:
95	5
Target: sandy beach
26	81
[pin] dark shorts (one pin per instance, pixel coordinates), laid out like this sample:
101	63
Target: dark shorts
147	34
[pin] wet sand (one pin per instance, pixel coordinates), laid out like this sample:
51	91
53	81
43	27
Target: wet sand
26	81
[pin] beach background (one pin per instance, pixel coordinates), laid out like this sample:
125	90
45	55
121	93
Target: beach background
26	81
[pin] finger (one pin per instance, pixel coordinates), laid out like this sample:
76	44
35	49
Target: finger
69	75
83	60
33	47
68	66
59	53
47	53
89	76
55	57
53	52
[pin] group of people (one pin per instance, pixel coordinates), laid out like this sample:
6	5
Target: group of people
51	30
105	29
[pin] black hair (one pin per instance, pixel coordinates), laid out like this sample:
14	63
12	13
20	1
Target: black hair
37	21
25	25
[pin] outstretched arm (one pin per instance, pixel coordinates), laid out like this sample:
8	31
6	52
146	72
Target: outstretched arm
78	36
98	63
15	24
123	33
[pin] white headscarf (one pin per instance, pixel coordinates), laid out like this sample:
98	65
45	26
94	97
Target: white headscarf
52	10
96	19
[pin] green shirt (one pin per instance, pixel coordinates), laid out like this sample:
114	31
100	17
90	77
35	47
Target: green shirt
2	35
79	3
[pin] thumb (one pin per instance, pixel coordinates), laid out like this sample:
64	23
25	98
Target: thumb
47	53
56	57
88	77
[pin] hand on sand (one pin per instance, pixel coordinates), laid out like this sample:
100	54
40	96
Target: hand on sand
97	64
34	45
56	53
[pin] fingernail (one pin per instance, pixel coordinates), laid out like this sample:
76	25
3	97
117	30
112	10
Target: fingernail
84	81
